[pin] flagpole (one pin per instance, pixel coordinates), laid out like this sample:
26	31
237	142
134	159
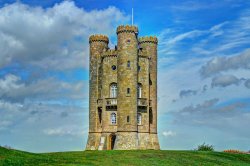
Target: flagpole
132	16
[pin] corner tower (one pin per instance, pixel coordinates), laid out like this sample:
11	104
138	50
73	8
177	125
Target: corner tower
149	45
97	43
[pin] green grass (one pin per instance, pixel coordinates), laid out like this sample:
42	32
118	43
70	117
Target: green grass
131	158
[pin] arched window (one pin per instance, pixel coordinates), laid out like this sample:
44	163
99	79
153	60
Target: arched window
139	118
139	91
113	118
113	90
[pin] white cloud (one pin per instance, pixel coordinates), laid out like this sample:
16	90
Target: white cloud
168	133
52	38
220	64
12	88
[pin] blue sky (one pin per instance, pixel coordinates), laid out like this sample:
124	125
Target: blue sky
203	74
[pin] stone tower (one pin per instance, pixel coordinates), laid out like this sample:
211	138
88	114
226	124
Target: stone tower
123	92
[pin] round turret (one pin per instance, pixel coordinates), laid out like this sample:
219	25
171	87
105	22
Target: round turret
98	38
127	29
148	39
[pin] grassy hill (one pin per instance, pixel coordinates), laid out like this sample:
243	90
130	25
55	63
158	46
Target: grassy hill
149	157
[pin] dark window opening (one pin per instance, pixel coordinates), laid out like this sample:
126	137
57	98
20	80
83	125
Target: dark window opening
128	119
128	90
150	116
139	68
128	41
100	115
113	67
150	82
128	64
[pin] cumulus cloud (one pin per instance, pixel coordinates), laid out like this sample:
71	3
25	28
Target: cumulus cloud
220	64
224	80
247	83
12	88
168	133
55	37
186	93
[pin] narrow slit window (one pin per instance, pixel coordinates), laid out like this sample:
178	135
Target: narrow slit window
128	64
127	119
128	90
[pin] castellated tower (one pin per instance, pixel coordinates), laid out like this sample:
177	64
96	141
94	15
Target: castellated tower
123	92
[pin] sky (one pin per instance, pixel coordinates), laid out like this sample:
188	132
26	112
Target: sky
203	70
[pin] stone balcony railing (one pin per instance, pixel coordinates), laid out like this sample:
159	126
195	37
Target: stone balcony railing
142	102
111	101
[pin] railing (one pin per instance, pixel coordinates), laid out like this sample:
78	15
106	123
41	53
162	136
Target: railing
99	102
111	101
142	102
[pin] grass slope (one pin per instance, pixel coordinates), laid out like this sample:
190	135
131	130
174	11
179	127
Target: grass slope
147	157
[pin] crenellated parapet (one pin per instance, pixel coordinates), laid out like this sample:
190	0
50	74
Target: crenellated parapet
148	39
98	38
109	53
127	29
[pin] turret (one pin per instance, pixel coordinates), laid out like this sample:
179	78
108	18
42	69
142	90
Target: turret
127	80
149	47
98	43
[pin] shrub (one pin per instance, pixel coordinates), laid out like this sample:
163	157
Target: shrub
205	147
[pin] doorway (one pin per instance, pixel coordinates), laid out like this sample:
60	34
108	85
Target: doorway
112	138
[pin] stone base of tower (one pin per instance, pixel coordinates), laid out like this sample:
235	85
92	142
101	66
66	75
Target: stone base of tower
126	141
153	142
143	141
93	141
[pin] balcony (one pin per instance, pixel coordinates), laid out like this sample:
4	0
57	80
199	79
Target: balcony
142	102
111	103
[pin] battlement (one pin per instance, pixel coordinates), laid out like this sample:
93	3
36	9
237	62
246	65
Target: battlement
110	52
127	28
98	38
148	39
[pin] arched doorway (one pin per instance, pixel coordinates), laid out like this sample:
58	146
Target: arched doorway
112	138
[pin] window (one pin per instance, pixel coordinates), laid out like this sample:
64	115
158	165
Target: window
128	64
127	119
100	115
139	68
128	90
113	90
128	41
139	91
113	118
150	116
113	67
139	119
